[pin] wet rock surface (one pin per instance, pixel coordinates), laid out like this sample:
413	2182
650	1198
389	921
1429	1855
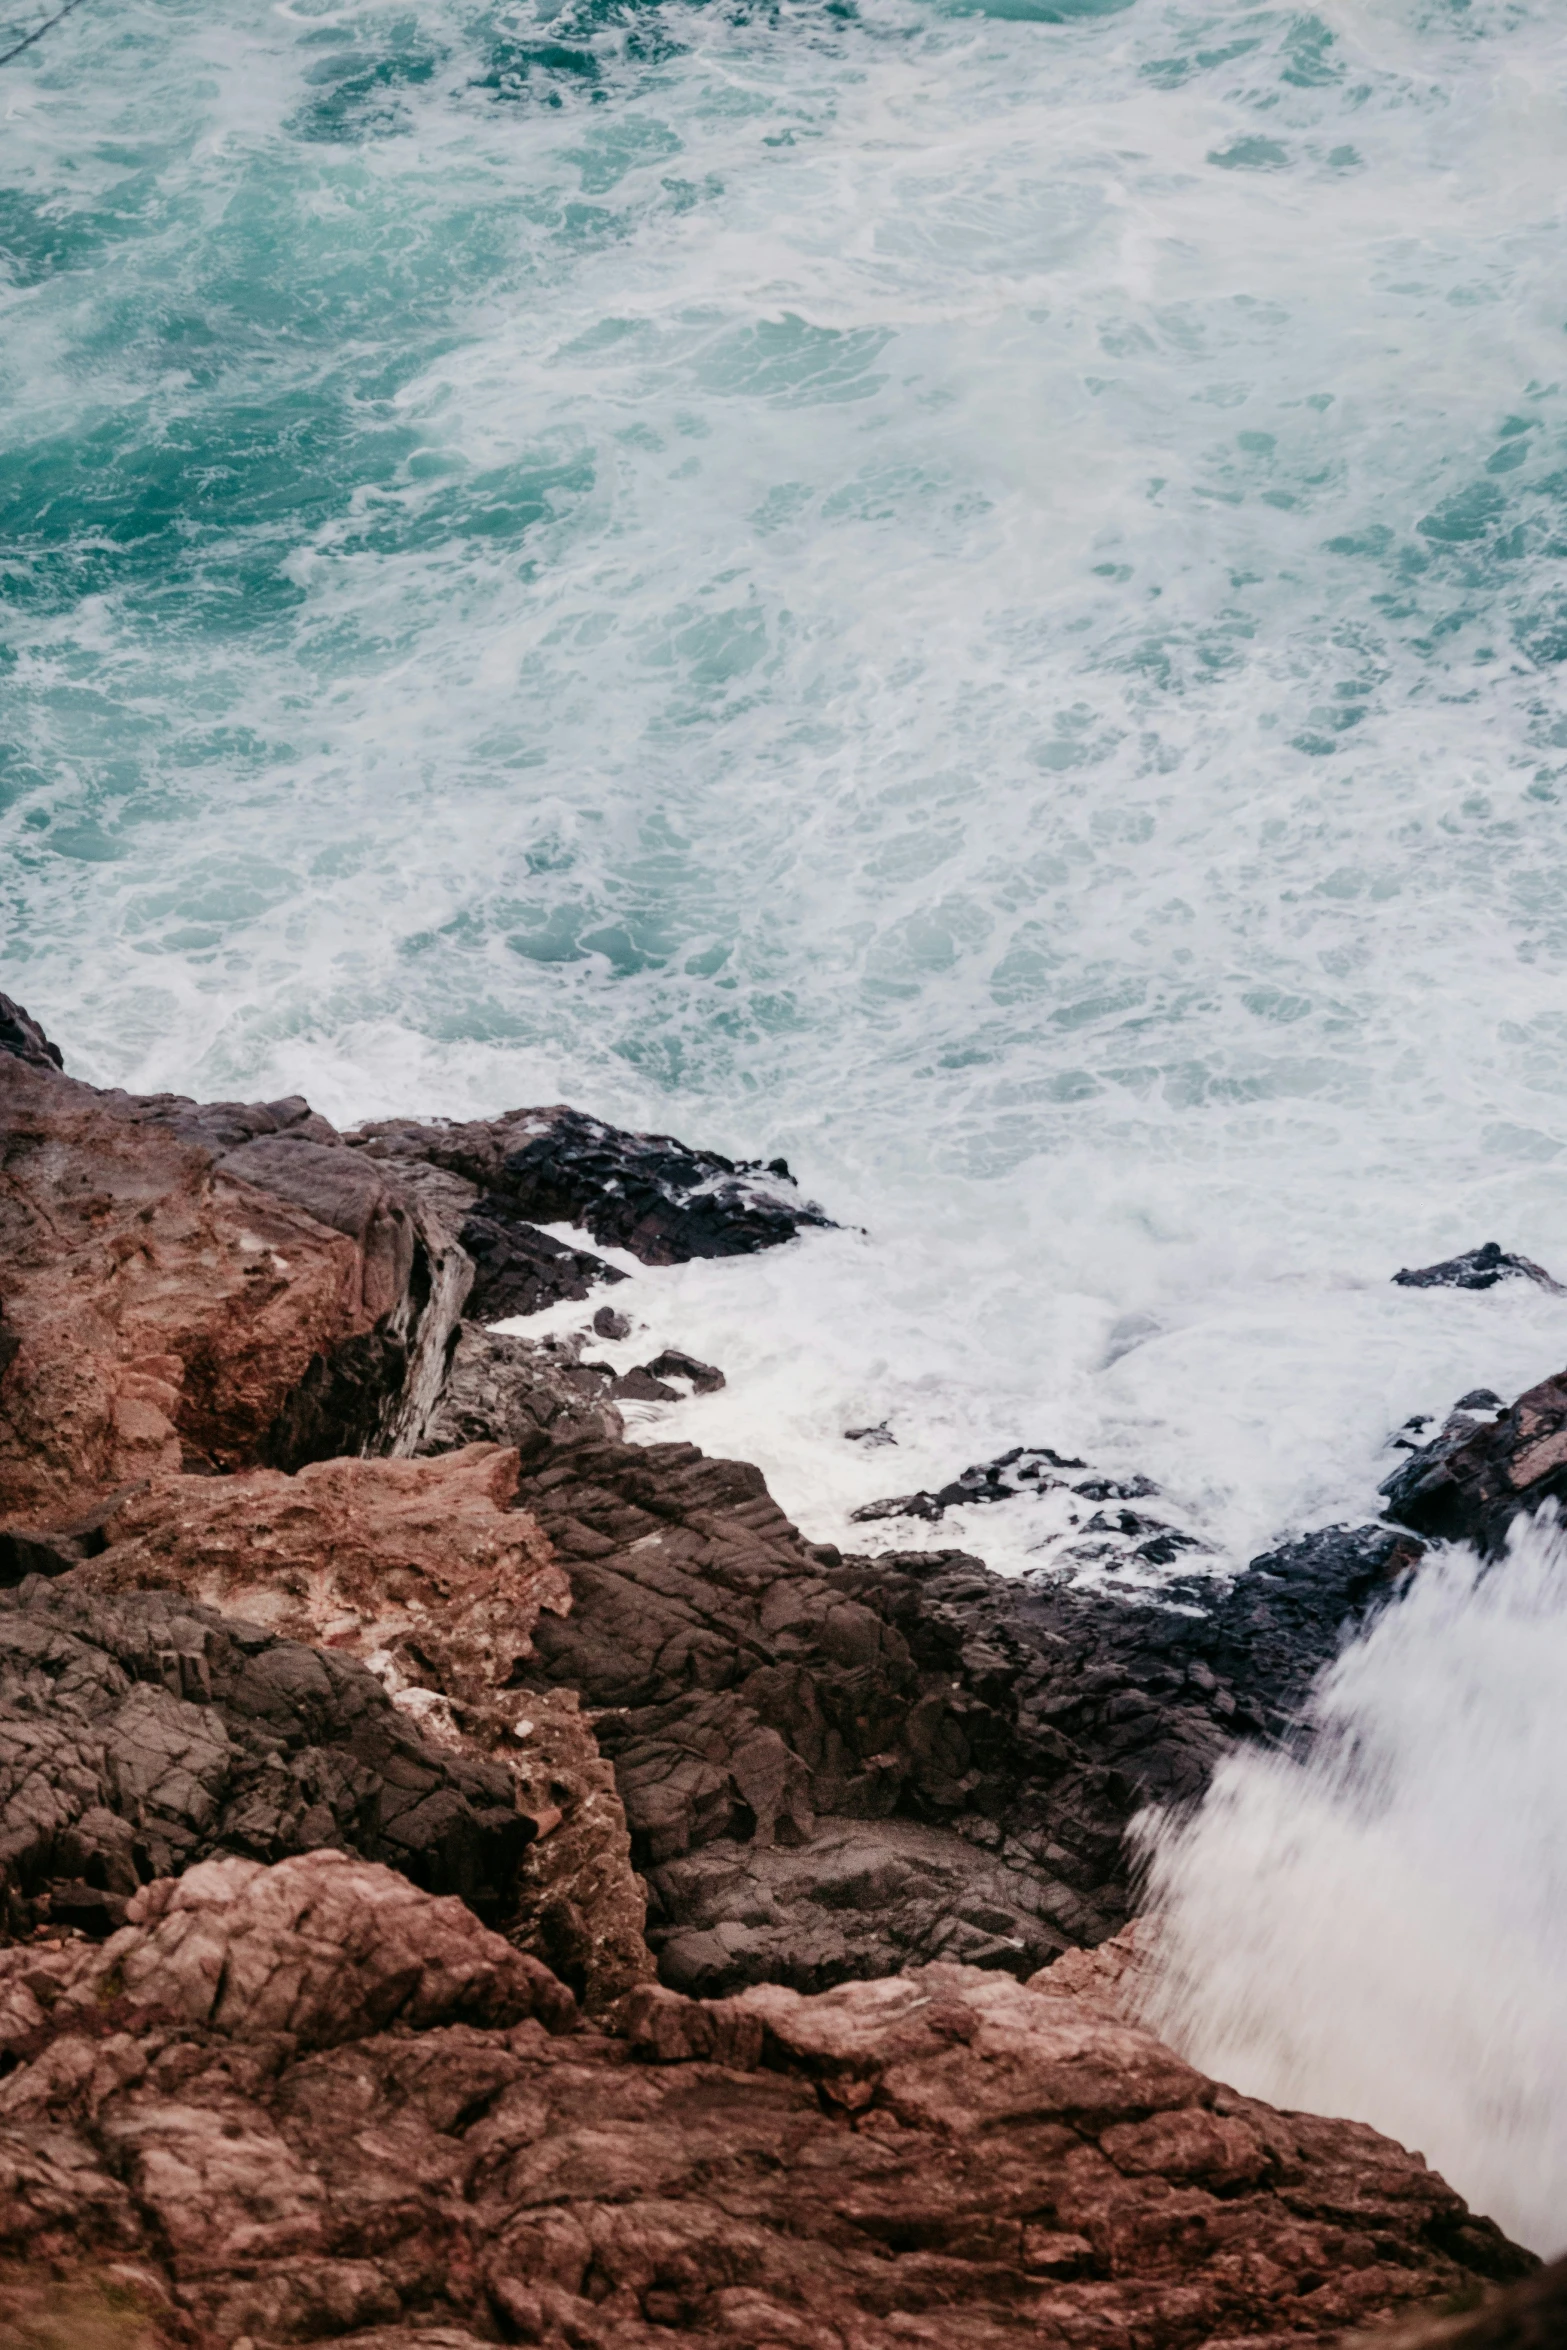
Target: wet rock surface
758	1695
141	1734
308	2103
1477	1268
647	1193
1485	1467
1077	1534
520	1270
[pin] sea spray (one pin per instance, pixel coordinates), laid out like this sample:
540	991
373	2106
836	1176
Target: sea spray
1374	1925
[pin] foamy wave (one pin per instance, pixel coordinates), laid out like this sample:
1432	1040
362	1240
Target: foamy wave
1377	1928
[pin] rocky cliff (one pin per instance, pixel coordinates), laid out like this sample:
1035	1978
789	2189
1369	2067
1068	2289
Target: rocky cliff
375	1721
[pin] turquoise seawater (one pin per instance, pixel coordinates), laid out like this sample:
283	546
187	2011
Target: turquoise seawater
975	596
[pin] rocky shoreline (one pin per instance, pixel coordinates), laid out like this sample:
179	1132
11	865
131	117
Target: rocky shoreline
467	1878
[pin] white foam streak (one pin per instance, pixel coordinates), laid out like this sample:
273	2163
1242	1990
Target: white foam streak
1378	1929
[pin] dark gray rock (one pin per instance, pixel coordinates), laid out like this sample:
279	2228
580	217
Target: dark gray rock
1027	1468
756	1695
504	1389
520	1270
1477	1268
142	1733
21	1035
648	1193
705	1378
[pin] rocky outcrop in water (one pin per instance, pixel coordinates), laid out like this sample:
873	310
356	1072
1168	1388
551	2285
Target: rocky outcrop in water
766	1702
306	2103
1485	1467
1477	1268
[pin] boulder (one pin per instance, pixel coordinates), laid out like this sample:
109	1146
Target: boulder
322	1948
385	2155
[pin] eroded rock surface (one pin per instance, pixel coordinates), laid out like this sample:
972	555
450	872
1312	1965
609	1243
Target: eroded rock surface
140	1734
758	1696
164	1309
301	2104
1530	2315
421	1564
425	1572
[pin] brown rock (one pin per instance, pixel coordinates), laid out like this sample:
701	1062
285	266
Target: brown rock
422	1563
176	1301
581	1907
1475	1478
1531	2315
322	1948
947	2159
423	1569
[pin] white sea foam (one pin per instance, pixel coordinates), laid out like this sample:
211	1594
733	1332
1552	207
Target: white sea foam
1377	1929
947	595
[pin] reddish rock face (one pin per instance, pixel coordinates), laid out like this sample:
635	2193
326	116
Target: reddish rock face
423	1563
158	1308
423	1569
309	2103
1472	1481
1528	2316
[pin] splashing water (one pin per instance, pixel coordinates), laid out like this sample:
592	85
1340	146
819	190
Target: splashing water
1377	1929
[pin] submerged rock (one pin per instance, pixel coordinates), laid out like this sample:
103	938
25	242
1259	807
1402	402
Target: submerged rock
1477	1268
1025	1469
299	2103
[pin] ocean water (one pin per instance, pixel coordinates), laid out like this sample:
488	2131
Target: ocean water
972	594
